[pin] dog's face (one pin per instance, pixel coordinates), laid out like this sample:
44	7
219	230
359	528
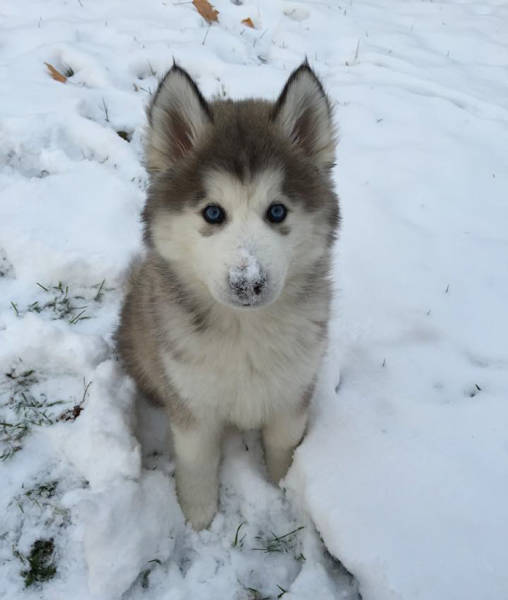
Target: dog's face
240	197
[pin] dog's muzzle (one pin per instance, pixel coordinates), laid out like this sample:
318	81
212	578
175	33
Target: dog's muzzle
247	290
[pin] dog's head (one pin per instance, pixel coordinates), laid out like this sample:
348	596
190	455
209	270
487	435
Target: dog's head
241	201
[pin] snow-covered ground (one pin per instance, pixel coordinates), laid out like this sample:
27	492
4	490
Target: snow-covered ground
403	476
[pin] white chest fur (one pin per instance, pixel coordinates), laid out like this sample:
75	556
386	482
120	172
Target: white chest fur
242	370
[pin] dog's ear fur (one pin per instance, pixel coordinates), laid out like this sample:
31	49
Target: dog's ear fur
178	118
303	112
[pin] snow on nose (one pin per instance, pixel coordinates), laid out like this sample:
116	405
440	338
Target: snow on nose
247	279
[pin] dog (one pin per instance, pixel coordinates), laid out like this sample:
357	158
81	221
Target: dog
225	318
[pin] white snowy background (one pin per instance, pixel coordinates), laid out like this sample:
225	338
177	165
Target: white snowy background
403	477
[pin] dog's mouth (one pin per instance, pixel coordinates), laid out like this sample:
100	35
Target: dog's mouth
231	298
251	303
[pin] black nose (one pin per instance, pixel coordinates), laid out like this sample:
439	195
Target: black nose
247	289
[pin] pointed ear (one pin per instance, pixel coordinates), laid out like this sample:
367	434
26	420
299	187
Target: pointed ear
178	118
303	113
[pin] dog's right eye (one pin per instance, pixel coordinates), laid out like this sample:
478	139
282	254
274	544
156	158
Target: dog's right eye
214	214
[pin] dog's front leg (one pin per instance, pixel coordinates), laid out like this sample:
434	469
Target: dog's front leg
281	435
197	456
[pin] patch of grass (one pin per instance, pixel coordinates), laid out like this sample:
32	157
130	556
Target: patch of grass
28	410
59	303
474	390
43	490
144	576
40	509
24	380
145	579
255	594
11	436
43	497
73	413
278	543
23	409
238	541
79	317
40	561
100	293
125	135
153	72
106	112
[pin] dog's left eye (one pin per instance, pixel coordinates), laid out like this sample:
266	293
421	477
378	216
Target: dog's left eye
214	214
276	213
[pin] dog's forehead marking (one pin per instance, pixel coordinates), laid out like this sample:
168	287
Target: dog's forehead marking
226	187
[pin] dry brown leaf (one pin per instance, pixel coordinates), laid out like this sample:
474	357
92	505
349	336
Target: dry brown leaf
248	22
206	10
57	76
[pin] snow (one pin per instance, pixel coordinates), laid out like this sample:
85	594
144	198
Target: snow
246	275
404	471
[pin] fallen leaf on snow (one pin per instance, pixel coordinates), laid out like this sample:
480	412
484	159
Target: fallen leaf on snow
248	23
56	75
206	10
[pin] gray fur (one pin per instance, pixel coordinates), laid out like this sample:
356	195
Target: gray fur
171	325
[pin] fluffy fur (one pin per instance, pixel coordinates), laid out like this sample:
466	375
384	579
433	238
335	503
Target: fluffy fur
226	323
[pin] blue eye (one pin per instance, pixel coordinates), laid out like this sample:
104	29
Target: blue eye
214	214
276	213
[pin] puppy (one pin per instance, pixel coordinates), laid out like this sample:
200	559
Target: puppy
225	319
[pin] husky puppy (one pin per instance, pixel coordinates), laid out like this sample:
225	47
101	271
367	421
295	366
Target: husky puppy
225	320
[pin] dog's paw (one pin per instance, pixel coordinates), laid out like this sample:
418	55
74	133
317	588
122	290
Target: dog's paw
278	463
199	514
